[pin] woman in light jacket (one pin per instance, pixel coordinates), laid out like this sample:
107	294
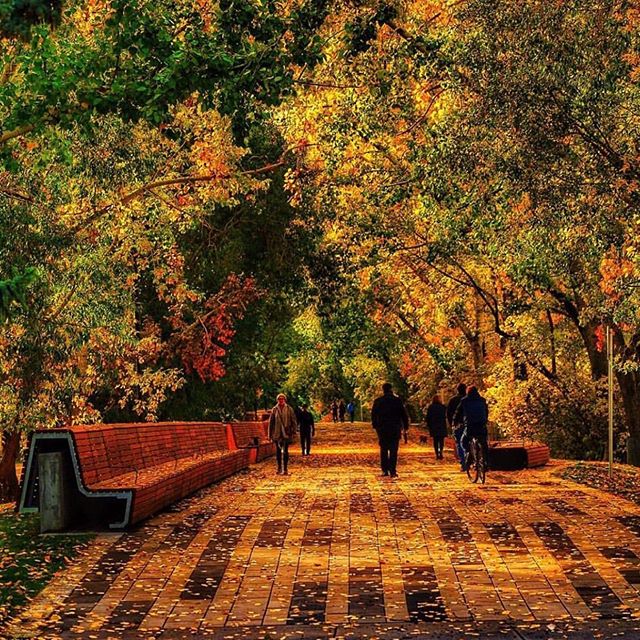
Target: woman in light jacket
283	426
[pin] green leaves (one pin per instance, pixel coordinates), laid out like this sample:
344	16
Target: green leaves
14	290
138	59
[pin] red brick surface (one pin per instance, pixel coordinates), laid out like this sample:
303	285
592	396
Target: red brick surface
245	432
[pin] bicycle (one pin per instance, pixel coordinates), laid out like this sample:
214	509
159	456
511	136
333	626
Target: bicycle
475	463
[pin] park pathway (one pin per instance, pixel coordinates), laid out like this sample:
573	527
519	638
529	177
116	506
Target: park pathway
335	550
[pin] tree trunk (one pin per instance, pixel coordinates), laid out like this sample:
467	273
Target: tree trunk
597	357
475	345
629	384
8	477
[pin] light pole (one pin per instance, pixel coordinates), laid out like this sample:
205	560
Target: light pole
610	385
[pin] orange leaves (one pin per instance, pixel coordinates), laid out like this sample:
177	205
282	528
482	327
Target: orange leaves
617	271
203	343
425	12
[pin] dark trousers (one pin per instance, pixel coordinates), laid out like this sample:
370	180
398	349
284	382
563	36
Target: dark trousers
481	436
457	434
438	445
352	416
305	440
389	455
282	454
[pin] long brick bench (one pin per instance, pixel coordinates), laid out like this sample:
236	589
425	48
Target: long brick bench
120	474
253	436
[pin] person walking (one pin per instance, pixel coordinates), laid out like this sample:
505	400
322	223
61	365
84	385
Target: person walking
334	410
437	424
282	429
475	414
389	418
307	429
342	410
456	422
351	410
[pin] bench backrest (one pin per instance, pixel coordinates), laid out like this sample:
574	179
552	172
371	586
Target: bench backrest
108	450
245	432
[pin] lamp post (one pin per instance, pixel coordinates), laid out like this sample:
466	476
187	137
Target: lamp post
610	385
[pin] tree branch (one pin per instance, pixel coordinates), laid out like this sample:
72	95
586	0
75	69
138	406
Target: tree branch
16	133
149	187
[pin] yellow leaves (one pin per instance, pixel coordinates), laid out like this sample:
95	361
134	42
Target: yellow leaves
334	233
366	374
91	16
422	93
212	157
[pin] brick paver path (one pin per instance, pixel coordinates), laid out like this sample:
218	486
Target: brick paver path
335	550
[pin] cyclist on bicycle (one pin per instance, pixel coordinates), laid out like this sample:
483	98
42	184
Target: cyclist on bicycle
475	413
456	423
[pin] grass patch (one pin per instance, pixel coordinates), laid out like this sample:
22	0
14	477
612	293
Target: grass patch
29	560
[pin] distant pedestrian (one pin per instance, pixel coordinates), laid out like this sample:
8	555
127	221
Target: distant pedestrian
456	421
282	429
351	410
389	418
342	410
437	425
334	410
307	429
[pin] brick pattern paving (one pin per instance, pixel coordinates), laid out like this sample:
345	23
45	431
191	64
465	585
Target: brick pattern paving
335	550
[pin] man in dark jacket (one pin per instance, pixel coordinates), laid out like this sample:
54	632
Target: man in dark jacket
389	417
342	410
307	429
475	413
456	422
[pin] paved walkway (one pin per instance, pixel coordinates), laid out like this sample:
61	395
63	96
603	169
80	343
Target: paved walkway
334	550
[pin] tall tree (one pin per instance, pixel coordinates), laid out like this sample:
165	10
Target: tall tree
124	125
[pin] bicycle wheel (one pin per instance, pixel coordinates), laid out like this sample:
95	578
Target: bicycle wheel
470	462
482	466
472	467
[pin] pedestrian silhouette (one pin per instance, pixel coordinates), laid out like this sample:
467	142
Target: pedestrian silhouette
389	418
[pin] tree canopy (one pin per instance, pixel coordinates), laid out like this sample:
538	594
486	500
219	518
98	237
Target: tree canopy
205	202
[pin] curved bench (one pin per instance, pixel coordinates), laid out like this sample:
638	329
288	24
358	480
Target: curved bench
509	456
119	474
253	436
